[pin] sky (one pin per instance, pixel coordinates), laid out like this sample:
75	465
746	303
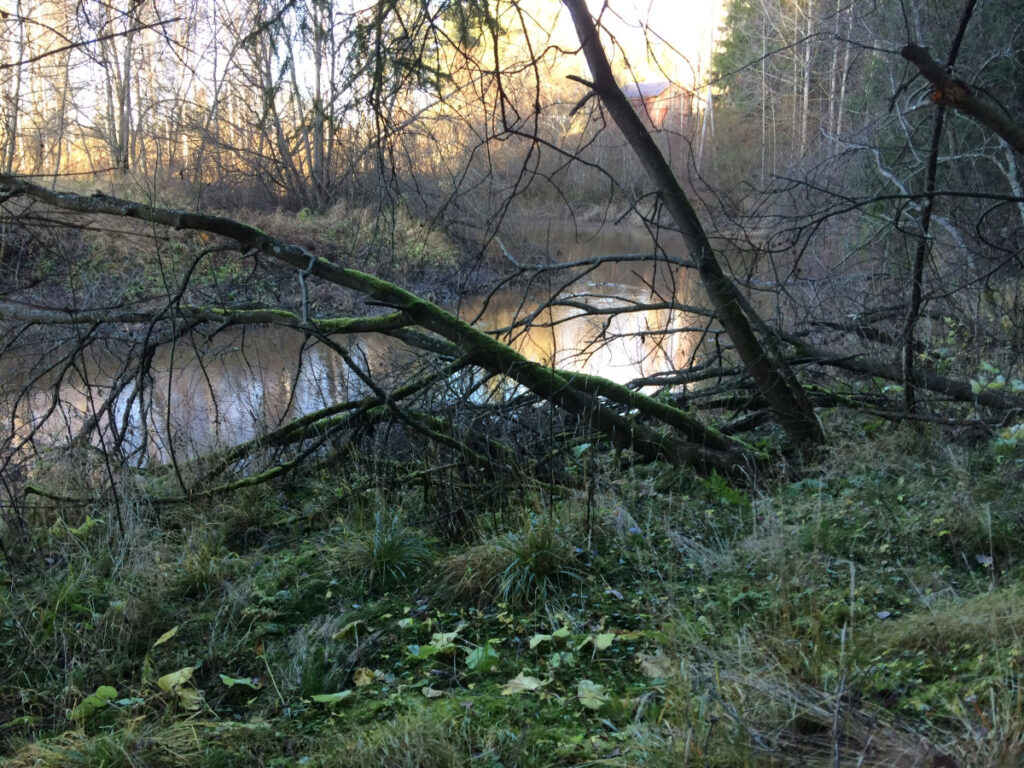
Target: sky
687	26
681	31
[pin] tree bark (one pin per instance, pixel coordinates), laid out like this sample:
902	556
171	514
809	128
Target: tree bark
957	94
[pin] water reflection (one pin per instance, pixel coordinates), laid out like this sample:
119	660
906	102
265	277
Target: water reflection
602	323
200	394
619	343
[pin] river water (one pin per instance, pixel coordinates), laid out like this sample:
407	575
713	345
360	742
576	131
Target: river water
204	394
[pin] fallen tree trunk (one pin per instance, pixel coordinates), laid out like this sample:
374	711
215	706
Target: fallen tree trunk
957	389
702	447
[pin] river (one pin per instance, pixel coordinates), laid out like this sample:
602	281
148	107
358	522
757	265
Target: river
205	394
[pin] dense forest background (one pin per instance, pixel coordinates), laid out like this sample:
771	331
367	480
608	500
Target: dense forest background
450	382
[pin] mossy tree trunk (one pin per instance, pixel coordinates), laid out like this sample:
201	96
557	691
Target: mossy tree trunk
589	398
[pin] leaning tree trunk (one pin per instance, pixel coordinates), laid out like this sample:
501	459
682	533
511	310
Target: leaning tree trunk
774	381
951	92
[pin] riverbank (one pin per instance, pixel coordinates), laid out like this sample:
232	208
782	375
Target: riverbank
128	264
870	611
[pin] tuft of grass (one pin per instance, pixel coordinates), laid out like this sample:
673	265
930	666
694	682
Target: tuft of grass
203	565
540	558
472	575
388	554
520	567
993	729
136	744
418	739
981	623
311	661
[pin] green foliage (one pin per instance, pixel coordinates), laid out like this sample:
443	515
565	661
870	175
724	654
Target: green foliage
249	682
389	554
441	644
483	659
100	698
743	21
723	493
331	698
675	621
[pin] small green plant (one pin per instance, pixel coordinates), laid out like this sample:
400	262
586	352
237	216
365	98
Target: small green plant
390	554
539	558
723	493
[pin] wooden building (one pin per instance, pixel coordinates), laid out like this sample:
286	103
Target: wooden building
660	104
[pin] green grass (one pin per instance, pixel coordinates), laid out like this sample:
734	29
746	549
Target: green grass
871	609
388	554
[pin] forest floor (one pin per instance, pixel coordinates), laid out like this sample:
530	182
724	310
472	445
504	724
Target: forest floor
869	614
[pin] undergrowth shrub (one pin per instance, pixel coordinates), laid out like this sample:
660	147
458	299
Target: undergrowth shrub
390	553
519	567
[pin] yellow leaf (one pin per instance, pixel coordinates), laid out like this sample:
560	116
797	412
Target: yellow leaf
350	629
591	695
431	693
190	698
520	683
172	680
656	665
166	636
363	676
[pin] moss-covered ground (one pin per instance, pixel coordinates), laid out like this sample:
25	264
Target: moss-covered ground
868	614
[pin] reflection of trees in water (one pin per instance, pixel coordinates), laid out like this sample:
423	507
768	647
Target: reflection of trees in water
199	394
620	320
196	396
